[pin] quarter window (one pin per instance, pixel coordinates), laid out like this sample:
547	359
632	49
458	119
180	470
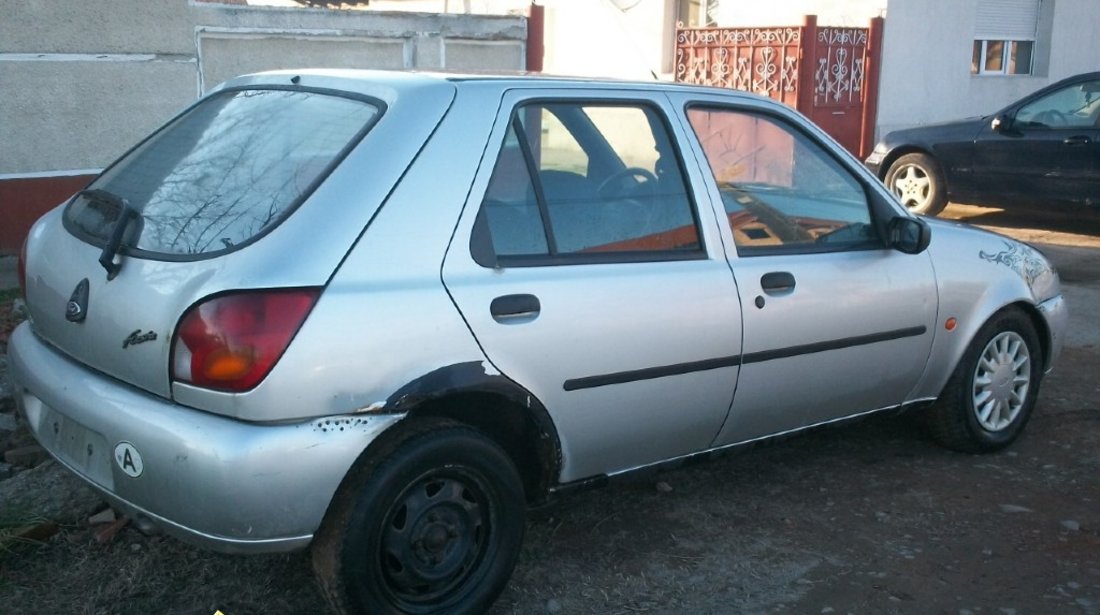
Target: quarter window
782	192
585	182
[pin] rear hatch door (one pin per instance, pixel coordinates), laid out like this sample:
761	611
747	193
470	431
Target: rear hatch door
244	190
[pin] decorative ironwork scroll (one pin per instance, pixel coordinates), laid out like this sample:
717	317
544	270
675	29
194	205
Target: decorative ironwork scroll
839	74
760	60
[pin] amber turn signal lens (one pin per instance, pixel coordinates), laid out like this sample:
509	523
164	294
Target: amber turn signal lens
951	324
224	364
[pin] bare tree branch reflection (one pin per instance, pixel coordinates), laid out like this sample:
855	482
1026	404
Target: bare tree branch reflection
232	166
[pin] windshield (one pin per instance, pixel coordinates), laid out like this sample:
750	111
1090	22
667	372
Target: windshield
225	172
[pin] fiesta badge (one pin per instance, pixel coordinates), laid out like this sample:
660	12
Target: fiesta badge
128	459
77	308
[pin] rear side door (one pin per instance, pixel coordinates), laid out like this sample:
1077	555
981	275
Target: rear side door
835	323
583	268
1047	148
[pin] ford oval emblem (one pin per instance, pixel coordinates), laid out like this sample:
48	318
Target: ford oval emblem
77	308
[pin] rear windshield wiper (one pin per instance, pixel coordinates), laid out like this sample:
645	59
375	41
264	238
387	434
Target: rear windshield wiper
125	215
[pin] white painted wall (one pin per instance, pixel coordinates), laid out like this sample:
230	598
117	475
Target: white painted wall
754	13
624	39
926	60
594	38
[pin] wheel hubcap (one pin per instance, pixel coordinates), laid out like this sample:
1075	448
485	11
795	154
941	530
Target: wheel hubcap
435	535
912	186
1001	381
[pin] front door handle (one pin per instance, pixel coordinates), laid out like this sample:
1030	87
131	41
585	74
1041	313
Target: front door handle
515	308
1077	140
777	283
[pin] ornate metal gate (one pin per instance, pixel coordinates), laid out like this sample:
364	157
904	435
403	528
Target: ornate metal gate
761	60
829	74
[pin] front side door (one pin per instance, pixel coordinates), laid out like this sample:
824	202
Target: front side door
585	272
836	324
1048	148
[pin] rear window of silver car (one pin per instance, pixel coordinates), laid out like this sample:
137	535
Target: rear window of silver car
223	173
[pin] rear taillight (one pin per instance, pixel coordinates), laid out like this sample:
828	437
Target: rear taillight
21	269
231	342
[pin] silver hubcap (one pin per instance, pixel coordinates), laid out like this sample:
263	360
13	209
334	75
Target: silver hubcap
1001	381
912	186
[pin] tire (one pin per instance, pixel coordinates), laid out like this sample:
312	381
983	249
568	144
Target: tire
429	522
990	397
917	181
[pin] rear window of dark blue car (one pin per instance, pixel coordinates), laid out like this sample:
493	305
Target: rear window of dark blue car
223	173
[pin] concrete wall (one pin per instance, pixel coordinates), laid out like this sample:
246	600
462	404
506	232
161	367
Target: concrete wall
82	81
926	60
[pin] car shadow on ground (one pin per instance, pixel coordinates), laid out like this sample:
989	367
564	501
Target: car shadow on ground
1079	220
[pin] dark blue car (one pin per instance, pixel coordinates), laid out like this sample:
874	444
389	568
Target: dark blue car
1044	147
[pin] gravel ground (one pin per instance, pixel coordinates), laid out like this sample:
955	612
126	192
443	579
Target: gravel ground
868	518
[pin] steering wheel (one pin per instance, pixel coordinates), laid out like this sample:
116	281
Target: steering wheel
641	177
1051	117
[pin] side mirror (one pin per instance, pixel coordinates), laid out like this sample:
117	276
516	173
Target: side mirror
1000	123
909	235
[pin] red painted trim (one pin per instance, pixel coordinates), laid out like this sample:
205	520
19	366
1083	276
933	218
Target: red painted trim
536	19
873	67
807	64
24	200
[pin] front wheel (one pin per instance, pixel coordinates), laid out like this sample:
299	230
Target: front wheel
431	522
989	398
918	183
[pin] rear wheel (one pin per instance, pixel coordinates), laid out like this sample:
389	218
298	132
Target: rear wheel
431	522
918	183
989	399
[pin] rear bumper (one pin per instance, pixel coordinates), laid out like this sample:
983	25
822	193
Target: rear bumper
209	480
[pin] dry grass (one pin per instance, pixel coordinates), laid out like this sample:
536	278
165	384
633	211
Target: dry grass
8	319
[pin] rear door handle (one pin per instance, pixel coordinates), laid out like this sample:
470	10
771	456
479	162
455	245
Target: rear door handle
515	308
1077	140
777	283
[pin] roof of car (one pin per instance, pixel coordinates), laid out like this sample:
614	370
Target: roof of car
353	79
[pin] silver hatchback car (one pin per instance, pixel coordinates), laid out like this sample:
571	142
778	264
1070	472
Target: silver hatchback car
380	313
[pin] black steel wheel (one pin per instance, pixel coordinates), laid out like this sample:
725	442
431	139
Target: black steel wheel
429	522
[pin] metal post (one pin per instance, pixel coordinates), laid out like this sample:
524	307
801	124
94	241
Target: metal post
535	25
873	66
807	64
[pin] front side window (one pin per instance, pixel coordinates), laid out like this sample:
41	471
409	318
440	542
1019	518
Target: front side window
1076	106
223	173
782	191
585	182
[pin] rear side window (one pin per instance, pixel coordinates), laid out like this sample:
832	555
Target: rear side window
577	182
223	173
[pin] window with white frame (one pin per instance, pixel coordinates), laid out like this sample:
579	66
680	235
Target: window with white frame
696	13
1004	37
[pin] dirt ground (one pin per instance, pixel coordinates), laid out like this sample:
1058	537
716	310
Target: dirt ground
867	518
